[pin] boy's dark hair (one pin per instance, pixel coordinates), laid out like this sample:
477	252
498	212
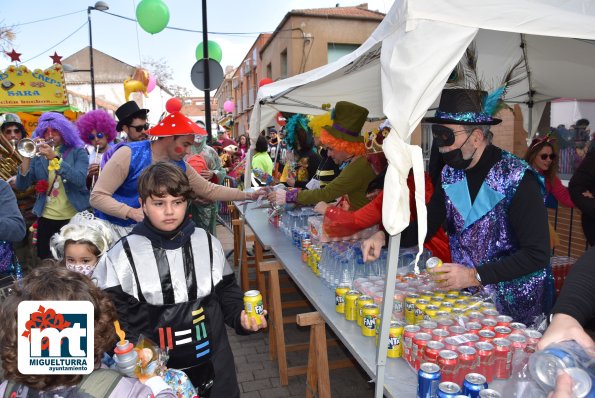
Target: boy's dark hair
164	178
261	144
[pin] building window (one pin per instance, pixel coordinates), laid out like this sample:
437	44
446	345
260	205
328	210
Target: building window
269	70
337	50
284	64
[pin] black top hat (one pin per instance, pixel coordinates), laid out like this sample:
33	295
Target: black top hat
462	106
128	111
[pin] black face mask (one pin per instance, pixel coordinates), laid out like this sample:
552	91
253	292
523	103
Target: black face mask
455	158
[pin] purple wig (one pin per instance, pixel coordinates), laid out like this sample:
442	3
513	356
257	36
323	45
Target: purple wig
98	120
58	122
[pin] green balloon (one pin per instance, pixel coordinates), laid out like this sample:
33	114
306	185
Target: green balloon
152	15
214	51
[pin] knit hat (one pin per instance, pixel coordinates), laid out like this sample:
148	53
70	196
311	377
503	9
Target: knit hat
175	123
348	121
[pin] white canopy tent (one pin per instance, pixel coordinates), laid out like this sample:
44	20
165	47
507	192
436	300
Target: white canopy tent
420	42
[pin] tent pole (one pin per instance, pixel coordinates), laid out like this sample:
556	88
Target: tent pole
530	83
387	310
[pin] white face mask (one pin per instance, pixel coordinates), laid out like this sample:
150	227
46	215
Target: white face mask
85	269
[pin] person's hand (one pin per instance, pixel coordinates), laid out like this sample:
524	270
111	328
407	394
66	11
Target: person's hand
372	247
250	323
451	276
206	174
135	214
277	197
564	327
93	169
290	181
256	194
588	194
321	207
46	151
563	388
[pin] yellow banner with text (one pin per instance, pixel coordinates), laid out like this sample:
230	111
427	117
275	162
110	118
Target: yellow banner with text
20	86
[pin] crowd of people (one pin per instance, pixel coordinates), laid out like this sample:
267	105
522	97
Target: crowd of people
127	225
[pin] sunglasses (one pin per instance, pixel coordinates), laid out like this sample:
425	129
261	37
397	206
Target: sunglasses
99	136
140	128
8	131
444	136
544	156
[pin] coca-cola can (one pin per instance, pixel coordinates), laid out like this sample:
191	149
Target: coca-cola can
470	339
408	332
486	335
432	350
503	320
427	326
502	331
451	343
485	306
489	323
502	358
519	342
490	313
475	316
517	327
444	324
448	361
467	362
533	337
473	327
456	330
418	347
485	354
439	335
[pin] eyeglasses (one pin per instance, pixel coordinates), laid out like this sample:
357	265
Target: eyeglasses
99	136
9	131
140	128
544	156
445	136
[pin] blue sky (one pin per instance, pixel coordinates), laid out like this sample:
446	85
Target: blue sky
125	39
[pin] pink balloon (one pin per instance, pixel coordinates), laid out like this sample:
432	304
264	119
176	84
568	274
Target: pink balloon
229	106
152	83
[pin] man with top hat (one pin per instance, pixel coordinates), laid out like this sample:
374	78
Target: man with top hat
493	208
132	120
115	195
346	147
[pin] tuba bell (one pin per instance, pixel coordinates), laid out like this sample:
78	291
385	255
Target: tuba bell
10	159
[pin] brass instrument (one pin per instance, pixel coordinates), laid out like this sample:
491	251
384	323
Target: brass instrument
10	159
29	148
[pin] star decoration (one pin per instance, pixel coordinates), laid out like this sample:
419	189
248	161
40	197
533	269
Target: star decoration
14	56
22	83
56	58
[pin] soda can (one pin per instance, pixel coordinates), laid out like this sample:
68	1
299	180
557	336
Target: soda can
399	304
454	292
502	331
395	338
409	332
456	330
440	293
461	303
490	313
582	384
433	348
503	320
448	361
361	301
519	342
418	348
253	305
448	389
369	314
420	309
465	294
473	384
351	305
410	301
445	323
428	379
430	312
486	335
486	305
489	393
340	292
306	243
439	335
426	295
457	312
451	343
447	306
427	326
451	298
517	327
489	324
502	359
470	339
443	313
433	263
485	359
533	337
475	316
467	362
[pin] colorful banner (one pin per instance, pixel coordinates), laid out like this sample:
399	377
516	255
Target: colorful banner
21	87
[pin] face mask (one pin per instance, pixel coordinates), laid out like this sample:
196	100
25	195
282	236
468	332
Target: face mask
86	270
455	158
